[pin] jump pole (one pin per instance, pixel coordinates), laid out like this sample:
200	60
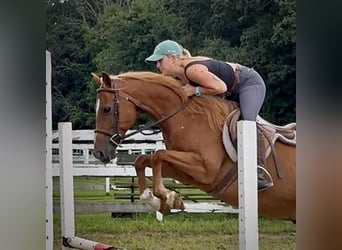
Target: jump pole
247	185
69	240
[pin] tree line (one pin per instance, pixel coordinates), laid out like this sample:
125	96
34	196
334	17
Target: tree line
116	36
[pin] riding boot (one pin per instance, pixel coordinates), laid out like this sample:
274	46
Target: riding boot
264	179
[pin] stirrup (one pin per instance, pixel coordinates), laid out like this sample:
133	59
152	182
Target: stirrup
266	172
265	186
267	182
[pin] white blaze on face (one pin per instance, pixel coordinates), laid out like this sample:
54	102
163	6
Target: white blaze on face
97	111
97	106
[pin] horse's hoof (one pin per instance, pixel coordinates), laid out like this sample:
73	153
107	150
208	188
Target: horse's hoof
164	208
174	200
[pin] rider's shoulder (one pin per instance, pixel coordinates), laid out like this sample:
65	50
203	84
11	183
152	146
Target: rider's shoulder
196	61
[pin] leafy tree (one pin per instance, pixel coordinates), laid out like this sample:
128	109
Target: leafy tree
117	35
71	61
259	34
270	46
124	37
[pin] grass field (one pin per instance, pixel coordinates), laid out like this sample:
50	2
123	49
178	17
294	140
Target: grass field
212	231
177	231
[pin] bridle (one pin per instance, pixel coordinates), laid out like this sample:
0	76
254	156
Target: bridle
116	139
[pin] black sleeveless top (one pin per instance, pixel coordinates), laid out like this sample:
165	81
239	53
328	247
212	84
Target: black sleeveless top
219	68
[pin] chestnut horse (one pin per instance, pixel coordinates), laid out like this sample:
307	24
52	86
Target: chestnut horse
192	133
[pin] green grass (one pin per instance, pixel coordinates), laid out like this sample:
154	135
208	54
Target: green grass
177	231
212	231
87	196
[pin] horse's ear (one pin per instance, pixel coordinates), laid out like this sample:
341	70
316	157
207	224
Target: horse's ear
96	78
106	80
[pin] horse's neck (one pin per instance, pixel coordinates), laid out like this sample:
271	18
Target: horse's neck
157	101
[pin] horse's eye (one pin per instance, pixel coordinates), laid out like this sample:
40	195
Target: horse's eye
106	109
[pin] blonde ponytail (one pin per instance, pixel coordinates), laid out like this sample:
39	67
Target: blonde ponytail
186	54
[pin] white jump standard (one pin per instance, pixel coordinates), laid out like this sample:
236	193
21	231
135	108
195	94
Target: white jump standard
247	187
69	239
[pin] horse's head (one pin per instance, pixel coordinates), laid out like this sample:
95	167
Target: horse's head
114	116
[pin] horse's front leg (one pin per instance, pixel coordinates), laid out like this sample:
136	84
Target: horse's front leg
145	193
141	162
172	198
186	162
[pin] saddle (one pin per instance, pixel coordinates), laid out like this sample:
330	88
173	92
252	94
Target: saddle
285	134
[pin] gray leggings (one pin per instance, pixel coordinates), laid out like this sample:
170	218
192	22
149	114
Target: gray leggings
250	93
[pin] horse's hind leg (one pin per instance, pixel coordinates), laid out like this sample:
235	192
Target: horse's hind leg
145	193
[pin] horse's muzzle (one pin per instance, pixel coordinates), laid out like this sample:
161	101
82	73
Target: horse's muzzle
105	157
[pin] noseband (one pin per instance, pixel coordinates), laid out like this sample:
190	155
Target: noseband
116	139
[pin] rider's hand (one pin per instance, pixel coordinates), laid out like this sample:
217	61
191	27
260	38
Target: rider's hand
189	89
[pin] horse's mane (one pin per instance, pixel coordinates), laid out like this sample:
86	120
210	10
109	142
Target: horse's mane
154	78
213	107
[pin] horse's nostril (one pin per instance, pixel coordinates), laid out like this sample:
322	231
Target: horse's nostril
98	154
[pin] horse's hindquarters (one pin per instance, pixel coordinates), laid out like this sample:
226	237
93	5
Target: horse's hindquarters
278	202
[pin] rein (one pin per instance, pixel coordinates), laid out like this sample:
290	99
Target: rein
116	139
157	122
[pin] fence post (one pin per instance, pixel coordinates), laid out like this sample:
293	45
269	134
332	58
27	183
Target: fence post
48	156
86	156
132	189
66	181
107	179
247	178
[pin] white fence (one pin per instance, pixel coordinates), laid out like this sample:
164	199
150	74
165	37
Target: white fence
85	164
248	220
83	146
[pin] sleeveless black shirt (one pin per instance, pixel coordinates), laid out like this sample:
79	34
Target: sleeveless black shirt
219	68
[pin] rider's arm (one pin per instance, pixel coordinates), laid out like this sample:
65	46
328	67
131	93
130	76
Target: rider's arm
209	83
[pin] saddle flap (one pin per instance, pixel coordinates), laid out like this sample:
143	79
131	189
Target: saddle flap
285	134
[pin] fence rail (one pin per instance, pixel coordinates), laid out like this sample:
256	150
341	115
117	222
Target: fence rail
83	147
85	164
